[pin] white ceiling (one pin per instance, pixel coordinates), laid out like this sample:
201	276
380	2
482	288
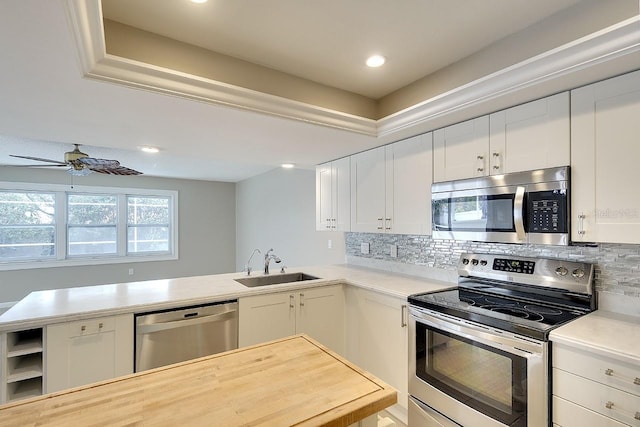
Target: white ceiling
46	104
328	41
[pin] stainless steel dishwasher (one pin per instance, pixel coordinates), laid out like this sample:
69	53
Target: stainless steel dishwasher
171	336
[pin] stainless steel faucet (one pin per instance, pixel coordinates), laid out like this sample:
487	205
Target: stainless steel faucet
249	262
268	258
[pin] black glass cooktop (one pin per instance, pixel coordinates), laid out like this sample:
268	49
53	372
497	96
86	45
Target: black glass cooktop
513	313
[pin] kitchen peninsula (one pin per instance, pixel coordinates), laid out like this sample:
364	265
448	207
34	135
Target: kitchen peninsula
293	381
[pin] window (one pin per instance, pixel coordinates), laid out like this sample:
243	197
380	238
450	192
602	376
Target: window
27	225
92	224
147	224
49	225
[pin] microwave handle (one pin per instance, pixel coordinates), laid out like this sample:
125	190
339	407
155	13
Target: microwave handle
518	207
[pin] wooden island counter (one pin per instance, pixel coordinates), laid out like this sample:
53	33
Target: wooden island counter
292	381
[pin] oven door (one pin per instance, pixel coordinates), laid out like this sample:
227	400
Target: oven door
476	375
487	214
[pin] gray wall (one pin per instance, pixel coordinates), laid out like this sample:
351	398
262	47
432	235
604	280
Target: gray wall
277	210
617	265
206	235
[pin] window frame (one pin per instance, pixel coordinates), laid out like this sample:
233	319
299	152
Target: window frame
63	259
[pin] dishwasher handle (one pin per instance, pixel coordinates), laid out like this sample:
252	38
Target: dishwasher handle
157	327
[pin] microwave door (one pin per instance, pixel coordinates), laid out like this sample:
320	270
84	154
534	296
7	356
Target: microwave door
481	214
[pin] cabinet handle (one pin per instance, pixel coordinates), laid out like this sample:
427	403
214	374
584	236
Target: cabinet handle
291	305
403	316
611	373
496	161
301	300
83	328
100	325
610	405
387	223
380	223
581	218
479	157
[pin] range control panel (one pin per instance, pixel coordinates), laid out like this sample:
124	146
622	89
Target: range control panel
572	275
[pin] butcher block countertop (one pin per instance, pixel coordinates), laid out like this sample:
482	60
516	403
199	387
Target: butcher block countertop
292	381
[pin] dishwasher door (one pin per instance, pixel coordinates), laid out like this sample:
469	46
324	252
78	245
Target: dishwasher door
171	336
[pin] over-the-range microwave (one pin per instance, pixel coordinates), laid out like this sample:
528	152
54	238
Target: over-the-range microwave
520	207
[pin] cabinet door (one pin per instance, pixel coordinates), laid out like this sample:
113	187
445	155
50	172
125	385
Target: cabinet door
461	150
265	318
83	352
531	136
368	191
324	196
383	343
341	185
321	316
408	183
605	126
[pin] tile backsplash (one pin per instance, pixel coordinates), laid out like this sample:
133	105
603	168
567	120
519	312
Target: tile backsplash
617	265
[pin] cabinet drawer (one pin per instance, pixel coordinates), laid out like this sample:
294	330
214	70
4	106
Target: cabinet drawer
614	373
605	400
91	326
567	414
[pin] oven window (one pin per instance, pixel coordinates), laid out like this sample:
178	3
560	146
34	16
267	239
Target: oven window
487	379
475	213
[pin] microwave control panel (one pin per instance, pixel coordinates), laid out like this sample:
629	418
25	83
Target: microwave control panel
547	211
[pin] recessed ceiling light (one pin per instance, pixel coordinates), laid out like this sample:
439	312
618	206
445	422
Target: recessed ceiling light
376	61
198	1
149	149
288	165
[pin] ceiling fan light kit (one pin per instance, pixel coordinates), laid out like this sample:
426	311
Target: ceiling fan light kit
80	164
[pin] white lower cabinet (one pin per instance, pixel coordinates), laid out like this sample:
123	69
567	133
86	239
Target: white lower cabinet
593	390
317	312
87	351
377	340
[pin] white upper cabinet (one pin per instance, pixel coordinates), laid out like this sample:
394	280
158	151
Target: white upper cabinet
390	188
461	150
333	198
530	136
605	130
408	185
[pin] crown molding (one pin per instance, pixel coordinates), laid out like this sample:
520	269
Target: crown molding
608	45
86	21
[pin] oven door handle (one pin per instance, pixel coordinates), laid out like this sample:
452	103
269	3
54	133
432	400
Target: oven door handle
524	348
518	211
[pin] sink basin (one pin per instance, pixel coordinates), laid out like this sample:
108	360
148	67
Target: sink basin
274	279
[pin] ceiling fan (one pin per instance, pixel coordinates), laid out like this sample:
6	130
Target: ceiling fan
81	164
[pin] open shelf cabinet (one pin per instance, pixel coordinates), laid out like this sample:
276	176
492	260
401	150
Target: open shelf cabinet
23	367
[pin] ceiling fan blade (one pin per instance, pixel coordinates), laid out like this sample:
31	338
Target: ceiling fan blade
120	170
98	163
40	159
36	166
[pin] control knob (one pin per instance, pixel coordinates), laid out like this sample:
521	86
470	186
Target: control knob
465	261
474	262
561	271
578	273
483	262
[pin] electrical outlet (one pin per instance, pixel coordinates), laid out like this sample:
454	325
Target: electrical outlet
393	251
329	244
131	272
364	248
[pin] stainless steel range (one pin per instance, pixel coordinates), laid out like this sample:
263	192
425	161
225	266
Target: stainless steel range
479	354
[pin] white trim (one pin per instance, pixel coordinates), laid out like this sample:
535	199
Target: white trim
62	259
608	45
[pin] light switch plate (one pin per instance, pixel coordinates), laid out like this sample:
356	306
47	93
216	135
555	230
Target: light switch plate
393	251
364	248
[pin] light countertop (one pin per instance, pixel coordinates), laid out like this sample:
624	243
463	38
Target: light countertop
603	332
53	306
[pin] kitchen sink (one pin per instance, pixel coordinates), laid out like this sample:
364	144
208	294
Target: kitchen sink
252	282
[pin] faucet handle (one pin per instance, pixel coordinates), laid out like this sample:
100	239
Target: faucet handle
282	268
